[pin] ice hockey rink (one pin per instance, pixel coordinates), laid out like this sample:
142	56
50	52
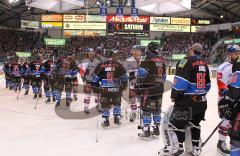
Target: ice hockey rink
25	131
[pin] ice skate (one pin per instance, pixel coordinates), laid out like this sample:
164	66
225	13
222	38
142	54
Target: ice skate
86	110
40	95
68	102
155	131
105	123
170	151
48	100
132	117
57	104
26	92
54	99
117	120
35	96
196	151
145	133
222	148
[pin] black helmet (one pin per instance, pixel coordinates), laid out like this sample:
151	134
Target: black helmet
153	47
108	53
37	57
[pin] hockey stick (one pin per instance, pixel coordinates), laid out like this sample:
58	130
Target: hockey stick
37	100
18	93
97	128
211	134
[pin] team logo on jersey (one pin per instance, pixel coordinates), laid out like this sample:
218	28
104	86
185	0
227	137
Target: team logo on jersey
219	75
234	78
182	63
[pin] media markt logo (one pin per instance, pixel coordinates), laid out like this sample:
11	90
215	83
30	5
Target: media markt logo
129	19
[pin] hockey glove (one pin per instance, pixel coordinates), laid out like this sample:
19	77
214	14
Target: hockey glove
141	73
223	92
225	108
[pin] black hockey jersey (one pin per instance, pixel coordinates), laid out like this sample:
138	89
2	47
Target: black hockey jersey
153	83
15	69
192	77
110	75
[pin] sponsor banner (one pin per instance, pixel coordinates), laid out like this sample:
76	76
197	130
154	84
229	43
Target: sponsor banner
181	21
74	18
200	22
127	27
128	19
119	11
233	41
103	11
123	33
195	28
169	28
95	18
84	33
178	56
22	54
52	25
29	24
160	20
134	11
52	17
85	26
54	41
145	43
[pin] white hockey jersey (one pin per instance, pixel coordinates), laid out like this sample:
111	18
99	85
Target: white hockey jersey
224	74
87	67
130	65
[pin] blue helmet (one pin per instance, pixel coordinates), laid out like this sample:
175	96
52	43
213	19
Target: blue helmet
233	48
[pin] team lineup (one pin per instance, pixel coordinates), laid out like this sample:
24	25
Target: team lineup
144	76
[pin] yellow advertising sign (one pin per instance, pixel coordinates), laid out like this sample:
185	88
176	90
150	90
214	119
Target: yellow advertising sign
181	21
52	17
57	25
74	18
169	28
85	26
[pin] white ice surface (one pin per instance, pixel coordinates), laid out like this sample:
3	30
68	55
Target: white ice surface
28	132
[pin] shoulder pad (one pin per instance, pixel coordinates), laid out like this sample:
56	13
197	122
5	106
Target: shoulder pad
182	63
238	60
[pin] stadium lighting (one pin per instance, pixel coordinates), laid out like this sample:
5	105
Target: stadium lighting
221	16
13	1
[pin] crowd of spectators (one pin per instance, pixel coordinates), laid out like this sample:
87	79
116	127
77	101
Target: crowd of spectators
178	43
16	41
29	41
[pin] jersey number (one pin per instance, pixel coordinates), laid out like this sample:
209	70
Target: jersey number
201	80
109	76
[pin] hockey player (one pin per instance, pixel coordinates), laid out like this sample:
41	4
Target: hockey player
75	78
131	65
64	72
224	74
151	75
191	84
36	71
15	69
6	69
26	75
48	82
230	106
111	78
86	70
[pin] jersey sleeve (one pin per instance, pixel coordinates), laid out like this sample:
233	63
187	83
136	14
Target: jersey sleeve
182	77
222	79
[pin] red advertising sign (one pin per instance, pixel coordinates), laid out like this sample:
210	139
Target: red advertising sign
127	19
